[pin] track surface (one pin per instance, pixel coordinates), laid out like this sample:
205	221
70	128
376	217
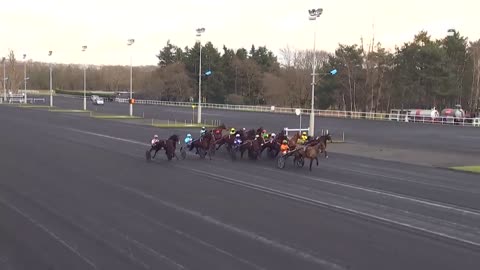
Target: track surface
76	193
445	139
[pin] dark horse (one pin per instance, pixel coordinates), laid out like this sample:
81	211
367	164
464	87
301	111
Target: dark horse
228	139
204	145
217	132
157	147
171	146
254	148
274	145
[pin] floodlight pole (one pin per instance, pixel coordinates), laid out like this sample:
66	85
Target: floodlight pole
200	31
313	15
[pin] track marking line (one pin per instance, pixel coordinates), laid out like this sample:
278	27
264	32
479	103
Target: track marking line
49	232
194	239
328	205
228	227
108	137
312	201
388	194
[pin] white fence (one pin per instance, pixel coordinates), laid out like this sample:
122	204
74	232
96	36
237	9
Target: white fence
324	113
288	130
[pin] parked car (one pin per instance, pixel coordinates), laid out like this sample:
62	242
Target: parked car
94	97
98	101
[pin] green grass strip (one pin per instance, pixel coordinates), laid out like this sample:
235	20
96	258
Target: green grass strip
34	106
472	169
181	125
68	111
115	117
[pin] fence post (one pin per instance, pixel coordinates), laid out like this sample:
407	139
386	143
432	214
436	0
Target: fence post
343	136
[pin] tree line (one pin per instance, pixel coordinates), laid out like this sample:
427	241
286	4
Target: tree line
421	73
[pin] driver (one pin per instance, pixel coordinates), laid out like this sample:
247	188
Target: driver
272	137
284	147
303	139
237	140
188	139
155	140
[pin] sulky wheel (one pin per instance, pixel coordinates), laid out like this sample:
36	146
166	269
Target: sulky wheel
183	153
300	162
148	156
233	153
201	153
281	162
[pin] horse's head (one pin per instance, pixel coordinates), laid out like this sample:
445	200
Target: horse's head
325	138
251	134
174	138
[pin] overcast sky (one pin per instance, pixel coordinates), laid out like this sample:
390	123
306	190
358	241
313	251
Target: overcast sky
36	26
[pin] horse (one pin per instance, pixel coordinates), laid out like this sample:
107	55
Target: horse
227	139
317	146
292	143
323	143
250	135
253	147
157	147
273	145
204	145
217	132
170	147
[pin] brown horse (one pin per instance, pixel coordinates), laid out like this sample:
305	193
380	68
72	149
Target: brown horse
317	146
217	132
292	143
227	140
171	146
274	145
323	143
204	145
253	147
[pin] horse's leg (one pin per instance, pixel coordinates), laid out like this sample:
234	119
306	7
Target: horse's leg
316	159
326	155
155	154
311	161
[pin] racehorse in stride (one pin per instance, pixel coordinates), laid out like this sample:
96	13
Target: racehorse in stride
169	145
204	145
317	146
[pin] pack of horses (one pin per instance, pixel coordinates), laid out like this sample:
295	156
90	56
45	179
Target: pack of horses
253	143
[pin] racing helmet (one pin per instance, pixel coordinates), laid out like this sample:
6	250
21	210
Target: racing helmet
264	131
237	136
285	142
155	136
257	136
273	135
304	133
189	135
232	130
203	128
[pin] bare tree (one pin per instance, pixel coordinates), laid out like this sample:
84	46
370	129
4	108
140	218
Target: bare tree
475	89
